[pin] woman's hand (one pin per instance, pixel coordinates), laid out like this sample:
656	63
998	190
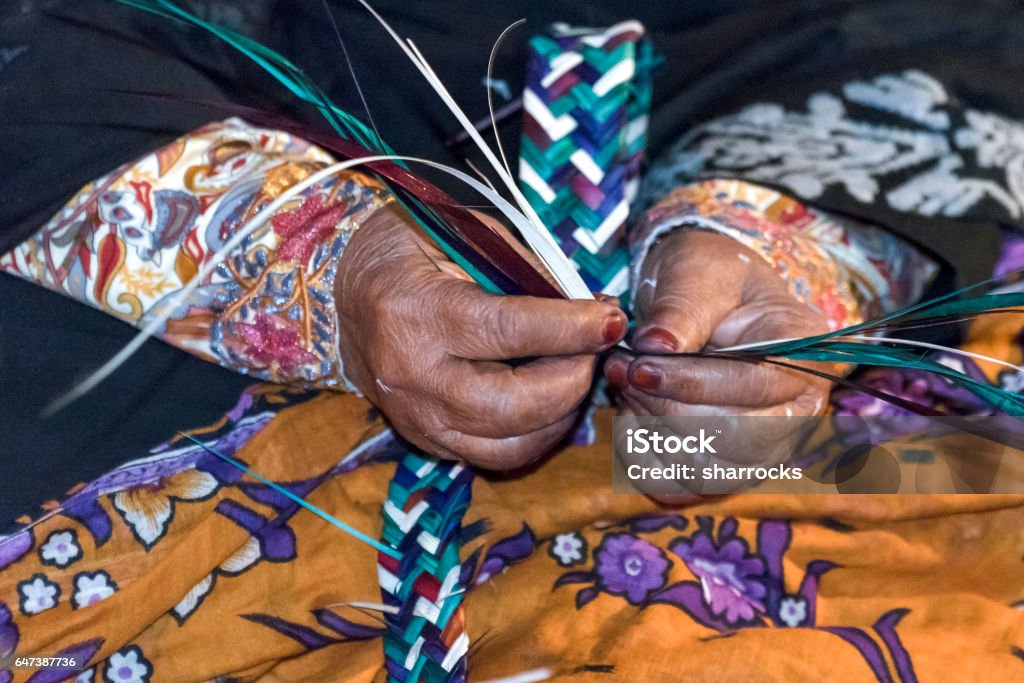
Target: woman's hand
700	290
427	345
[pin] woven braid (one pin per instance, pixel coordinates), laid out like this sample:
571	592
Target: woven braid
586	103
426	639
587	97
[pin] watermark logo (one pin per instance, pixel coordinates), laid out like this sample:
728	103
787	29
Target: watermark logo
652	441
814	455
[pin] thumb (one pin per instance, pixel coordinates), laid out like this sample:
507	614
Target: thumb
690	300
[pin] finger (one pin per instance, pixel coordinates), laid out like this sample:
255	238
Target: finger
453	269
507	453
496	400
616	370
717	381
687	305
645	404
644	296
641	404
773	315
482	326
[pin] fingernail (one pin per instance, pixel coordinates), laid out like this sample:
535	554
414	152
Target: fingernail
614	327
657	339
606	298
616	372
646	377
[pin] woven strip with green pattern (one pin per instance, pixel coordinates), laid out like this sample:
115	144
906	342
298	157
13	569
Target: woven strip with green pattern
586	101
426	639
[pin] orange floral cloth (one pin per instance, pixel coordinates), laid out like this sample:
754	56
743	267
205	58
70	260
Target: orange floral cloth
195	572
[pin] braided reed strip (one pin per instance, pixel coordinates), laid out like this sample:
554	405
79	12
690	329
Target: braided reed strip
426	639
586	101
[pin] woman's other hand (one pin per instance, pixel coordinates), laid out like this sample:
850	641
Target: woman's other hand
701	290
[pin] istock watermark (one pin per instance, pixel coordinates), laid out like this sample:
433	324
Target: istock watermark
644	440
803	455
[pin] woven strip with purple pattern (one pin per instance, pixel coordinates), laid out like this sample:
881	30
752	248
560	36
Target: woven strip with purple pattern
426	639
587	96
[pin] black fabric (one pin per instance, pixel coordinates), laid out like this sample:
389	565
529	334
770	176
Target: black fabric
47	341
64	119
64	122
68	115
717	58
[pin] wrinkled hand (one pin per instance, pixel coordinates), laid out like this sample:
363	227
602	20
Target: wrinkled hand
701	290
428	346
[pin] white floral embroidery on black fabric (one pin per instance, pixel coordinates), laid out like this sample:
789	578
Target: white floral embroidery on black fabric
10	53
912	94
997	142
909	154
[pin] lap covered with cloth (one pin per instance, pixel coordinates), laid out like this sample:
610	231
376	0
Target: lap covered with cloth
389	399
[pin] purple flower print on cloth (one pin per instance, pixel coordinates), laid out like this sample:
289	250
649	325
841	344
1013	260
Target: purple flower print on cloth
1011	255
500	556
793	610
736	587
888	421
916	386
15	547
8	639
731	578
630	567
892	382
8	631
245	402
230	443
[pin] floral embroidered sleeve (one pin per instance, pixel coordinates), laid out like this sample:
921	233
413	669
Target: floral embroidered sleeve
848	270
129	241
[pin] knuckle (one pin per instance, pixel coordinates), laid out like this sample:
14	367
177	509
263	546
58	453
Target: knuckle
478	452
454	402
677	305
386	305
506	415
